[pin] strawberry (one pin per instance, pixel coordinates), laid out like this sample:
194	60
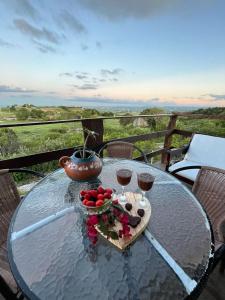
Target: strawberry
107	196
83	193
99	203
85	201
93	193
100	190
100	197
109	191
115	202
90	203
88	196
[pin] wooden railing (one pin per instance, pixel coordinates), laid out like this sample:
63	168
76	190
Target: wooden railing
97	124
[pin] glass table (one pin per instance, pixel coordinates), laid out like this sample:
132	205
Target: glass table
52	258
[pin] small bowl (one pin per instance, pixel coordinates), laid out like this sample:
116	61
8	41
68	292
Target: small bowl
97	210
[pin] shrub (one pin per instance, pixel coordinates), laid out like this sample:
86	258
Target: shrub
22	114
37	113
9	143
126	121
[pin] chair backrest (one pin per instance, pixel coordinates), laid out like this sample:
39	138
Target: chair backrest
9	200
120	149
209	188
207	151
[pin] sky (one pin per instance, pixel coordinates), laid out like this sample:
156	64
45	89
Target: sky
154	52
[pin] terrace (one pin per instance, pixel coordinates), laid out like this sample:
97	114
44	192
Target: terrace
158	157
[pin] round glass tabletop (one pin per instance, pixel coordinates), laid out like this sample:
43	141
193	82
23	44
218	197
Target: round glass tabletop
52	258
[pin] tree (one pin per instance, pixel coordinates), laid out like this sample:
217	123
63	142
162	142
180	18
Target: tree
152	111
107	114
22	114
37	113
126	121
89	112
9	142
12	108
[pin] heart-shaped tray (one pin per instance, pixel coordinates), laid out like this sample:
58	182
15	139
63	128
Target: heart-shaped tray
134	199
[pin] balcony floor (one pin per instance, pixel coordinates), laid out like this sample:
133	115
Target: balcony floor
215	288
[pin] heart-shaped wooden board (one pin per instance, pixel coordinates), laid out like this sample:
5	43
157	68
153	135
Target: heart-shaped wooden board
134	199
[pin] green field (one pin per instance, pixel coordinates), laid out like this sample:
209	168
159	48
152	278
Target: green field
26	140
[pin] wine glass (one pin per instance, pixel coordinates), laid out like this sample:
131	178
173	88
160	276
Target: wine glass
123	178
145	183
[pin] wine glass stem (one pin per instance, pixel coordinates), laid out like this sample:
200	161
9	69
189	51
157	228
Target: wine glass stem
123	188
143	196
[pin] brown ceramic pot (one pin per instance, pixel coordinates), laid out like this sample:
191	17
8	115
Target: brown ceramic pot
82	169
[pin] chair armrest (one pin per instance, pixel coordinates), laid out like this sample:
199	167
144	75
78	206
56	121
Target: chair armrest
170	153
185	168
28	171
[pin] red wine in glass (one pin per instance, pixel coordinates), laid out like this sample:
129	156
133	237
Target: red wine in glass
123	178
145	183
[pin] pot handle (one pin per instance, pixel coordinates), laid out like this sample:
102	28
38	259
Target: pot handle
63	160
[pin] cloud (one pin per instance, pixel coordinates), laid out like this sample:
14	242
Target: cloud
81	77
8	89
216	97
5	44
44	48
66	19
84	47
76	74
97	98
98	45
82	73
117	9
89	81
23	7
155	99
87	86
106	72
35	33
67	74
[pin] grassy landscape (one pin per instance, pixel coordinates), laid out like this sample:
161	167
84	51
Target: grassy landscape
20	141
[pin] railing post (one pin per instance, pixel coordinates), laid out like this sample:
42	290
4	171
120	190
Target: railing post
97	126
168	137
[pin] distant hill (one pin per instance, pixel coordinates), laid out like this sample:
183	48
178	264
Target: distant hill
210	111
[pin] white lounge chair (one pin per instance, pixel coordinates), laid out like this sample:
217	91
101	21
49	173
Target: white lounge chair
203	150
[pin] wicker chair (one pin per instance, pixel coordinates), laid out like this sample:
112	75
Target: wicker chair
203	150
209	188
9	200
121	149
